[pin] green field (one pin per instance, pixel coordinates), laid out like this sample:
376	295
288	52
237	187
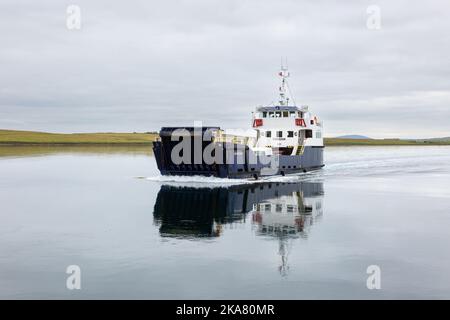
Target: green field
16	137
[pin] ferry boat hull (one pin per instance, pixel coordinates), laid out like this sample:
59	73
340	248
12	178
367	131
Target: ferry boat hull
234	166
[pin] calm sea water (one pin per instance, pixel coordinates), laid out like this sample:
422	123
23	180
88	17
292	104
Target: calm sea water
136	235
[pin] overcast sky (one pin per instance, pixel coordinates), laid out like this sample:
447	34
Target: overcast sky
140	65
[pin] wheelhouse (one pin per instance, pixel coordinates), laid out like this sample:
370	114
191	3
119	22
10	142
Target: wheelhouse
286	129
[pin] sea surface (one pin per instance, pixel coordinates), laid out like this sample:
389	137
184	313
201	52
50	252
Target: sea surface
133	234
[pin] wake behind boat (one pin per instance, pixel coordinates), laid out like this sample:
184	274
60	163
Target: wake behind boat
286	139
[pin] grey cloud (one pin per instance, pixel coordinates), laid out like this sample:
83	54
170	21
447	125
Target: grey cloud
136	66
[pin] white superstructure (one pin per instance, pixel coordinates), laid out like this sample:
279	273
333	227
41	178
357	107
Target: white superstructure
286	129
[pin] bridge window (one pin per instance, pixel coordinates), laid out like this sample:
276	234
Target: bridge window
290	134
268	134
285	114
279	134
308	134
277	114
264	114
271	114
292	114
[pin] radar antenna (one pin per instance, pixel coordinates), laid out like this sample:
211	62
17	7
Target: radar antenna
284	87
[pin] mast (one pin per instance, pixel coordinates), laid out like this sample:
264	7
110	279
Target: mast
284	74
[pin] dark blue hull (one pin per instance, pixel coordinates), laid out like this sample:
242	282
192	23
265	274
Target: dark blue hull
235	166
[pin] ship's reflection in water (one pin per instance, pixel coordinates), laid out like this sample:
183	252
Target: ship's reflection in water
280	211
199	212
288	215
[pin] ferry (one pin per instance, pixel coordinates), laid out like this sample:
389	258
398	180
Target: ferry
284	139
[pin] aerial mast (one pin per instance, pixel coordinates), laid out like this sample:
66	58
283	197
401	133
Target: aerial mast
284	74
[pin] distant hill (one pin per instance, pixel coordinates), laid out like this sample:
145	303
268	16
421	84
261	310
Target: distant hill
439	139
353	136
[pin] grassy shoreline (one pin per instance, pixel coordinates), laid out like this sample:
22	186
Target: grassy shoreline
32	138
15	137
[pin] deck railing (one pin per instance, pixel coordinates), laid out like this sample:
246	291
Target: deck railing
221	136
